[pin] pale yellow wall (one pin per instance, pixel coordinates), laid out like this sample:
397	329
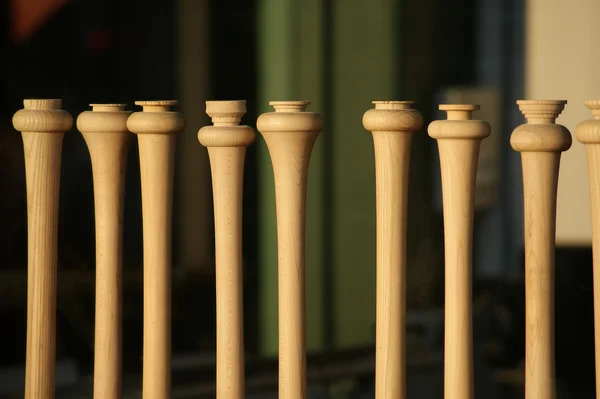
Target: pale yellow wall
562	61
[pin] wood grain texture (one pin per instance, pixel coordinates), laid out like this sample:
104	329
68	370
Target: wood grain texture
540	142
458	139
290	133
156	128
42	124
588	133
105	132
392	124
227	142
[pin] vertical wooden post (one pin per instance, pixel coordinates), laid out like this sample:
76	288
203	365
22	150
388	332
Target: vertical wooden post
43	125
459	139
392	124
227	142
588	133
540	142
108	140
290	134
156	128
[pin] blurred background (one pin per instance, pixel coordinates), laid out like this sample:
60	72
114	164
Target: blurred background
340	55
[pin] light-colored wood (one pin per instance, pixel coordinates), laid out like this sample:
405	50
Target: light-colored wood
588	133
105	132
42	124
540	142
459	139
156	128
227	142
392	124
290	134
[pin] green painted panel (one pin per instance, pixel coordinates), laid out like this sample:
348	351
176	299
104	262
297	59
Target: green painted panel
362	66
274	81
365	60
309	72
290	68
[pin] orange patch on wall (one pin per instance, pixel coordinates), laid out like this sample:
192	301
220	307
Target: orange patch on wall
28	16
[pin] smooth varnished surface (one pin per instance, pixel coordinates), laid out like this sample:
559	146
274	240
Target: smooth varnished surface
289	117
392	116
226	112
156	129
42	124
108	139
157	103
540	138
290	133
455	129
226	142
588	133
235	136
42	116
392	124
459	138
543	111
104	118
155	123
540	142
